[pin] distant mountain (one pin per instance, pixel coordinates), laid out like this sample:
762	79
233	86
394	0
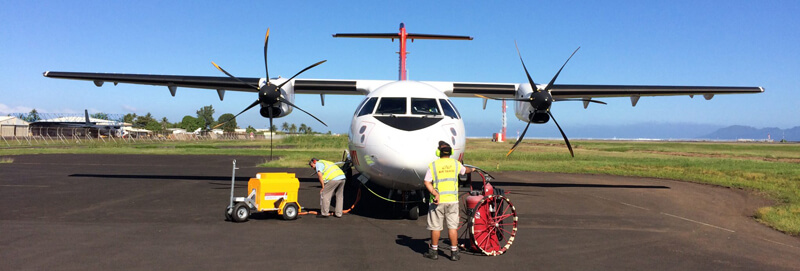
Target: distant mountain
736	132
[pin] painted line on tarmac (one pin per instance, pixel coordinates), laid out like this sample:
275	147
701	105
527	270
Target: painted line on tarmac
623	203
24	185
698	222
667	214
776	242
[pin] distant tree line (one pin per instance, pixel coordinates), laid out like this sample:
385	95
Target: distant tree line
204	120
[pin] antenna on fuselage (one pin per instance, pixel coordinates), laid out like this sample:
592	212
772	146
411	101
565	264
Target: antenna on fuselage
402	36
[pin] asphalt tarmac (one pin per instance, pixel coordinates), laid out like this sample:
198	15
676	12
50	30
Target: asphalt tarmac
145	212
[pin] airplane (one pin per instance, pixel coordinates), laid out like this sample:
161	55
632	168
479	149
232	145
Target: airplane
70	126
395	129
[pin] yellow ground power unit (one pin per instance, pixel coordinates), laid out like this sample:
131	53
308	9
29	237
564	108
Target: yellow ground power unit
268	191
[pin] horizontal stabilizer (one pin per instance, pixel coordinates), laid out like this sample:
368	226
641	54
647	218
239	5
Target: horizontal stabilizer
397	35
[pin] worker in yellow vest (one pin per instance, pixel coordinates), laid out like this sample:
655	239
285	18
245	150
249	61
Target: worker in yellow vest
441	180
332	179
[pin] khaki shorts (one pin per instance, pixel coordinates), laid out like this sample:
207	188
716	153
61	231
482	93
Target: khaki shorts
446	211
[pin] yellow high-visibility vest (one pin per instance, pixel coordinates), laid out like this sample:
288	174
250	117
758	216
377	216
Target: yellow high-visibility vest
445	179
330	170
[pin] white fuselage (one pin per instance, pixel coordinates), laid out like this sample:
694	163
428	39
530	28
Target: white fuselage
395	132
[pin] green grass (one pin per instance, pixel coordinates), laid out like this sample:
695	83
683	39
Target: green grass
771	169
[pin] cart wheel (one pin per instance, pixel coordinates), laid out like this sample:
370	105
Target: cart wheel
228	216
290	211
241	212
493	225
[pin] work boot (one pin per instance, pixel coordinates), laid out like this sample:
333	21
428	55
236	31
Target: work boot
431	254
454	255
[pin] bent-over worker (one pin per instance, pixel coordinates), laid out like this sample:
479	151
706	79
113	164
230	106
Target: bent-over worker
332	178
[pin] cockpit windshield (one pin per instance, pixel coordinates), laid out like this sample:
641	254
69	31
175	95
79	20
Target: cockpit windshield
449	109
391	106
367	106
424	106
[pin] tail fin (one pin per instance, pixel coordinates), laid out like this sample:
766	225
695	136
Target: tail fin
402	36
86	113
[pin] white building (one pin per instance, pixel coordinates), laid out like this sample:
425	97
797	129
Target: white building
13	126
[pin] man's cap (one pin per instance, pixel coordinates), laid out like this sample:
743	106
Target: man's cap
313	160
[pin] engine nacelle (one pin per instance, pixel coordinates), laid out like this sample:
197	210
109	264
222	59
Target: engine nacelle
539	118
525	110
278	109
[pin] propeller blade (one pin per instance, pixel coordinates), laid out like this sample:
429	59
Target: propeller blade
266	67
307	68
234	117
270	133
562	133
550	85
298	108
234	77
520	138
580	100
530	80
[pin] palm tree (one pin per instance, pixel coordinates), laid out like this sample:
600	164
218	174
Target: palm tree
292	129
164	123
303	128
285	127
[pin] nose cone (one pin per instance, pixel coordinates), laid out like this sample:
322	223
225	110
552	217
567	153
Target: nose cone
400	160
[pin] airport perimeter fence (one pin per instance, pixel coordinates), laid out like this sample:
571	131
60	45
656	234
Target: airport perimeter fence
21	136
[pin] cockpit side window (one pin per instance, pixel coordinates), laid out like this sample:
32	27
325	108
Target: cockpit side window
391	106
424	106
449	109
369	104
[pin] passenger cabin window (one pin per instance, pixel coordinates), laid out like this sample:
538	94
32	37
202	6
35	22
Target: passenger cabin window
449	109
391	106
369	105
423	106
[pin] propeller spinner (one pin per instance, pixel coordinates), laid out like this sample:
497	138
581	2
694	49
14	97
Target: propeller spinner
269	95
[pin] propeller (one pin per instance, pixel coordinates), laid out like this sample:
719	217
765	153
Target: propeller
540	101
269	95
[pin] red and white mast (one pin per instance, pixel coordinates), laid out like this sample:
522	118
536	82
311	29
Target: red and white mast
403	36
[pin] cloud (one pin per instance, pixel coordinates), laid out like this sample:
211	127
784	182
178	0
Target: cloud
4	109
128	108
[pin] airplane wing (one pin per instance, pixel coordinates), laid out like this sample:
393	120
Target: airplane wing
363	87
221	84
587	92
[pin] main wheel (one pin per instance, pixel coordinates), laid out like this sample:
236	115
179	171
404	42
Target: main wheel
290	211
493	225
413	212
241	212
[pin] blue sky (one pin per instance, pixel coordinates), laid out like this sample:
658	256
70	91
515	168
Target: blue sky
716	43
